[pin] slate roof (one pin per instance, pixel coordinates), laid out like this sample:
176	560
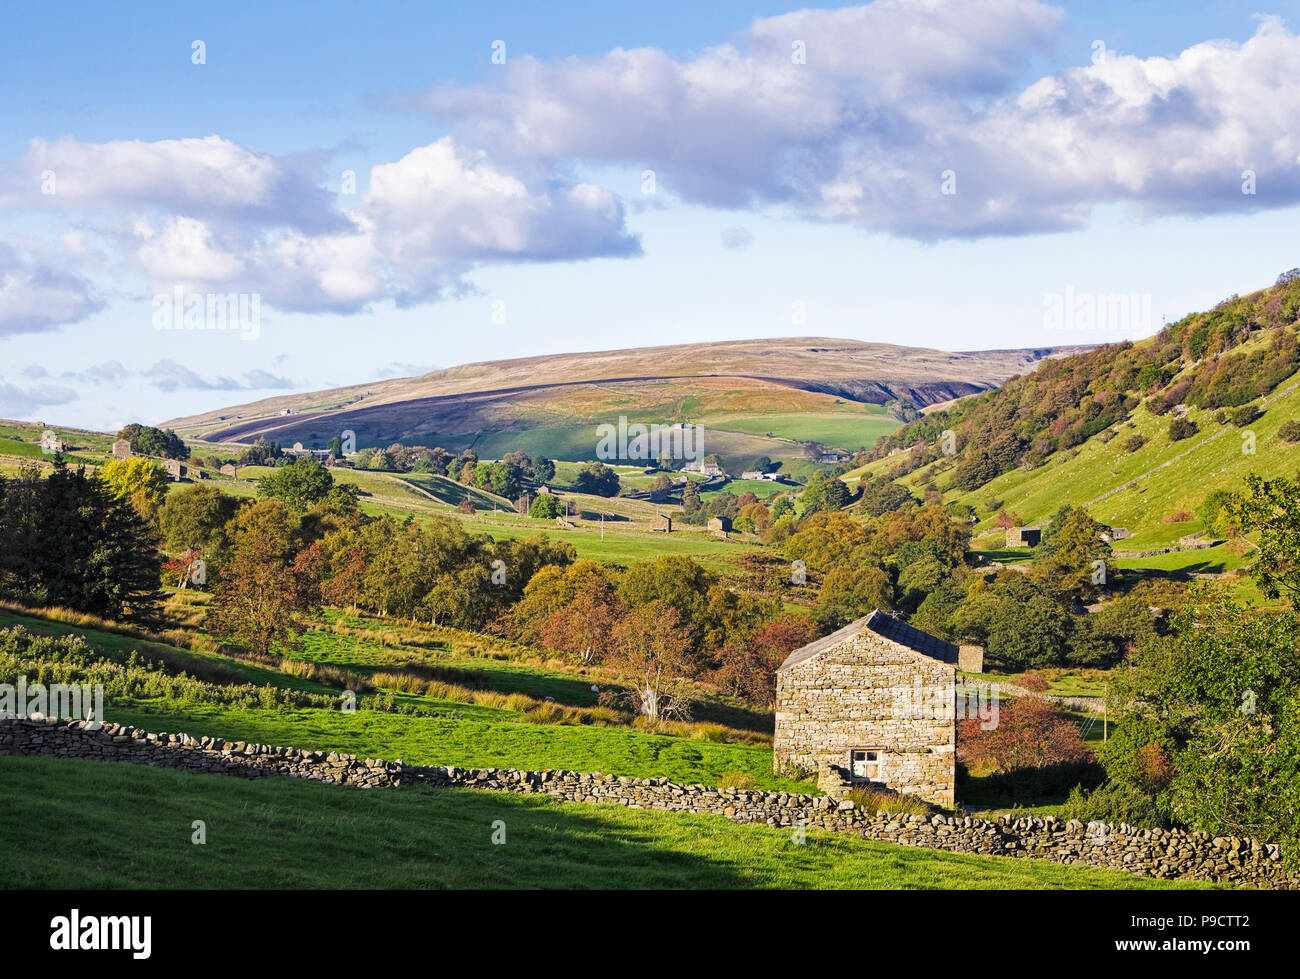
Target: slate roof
886	626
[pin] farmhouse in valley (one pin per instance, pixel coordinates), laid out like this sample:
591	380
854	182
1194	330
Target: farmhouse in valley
874	703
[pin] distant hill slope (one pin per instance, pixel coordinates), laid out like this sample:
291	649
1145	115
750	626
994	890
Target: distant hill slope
567	394
1095	428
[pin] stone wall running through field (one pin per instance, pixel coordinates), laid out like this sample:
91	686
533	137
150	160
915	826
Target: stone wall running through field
1153	853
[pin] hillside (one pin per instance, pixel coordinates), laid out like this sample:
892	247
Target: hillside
1140	433
758	397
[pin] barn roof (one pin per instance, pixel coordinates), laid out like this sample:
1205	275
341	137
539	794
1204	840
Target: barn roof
886	626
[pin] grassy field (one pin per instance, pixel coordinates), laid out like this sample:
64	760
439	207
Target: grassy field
849	427
284	833
447	732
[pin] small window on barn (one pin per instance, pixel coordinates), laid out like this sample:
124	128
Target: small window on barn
865	764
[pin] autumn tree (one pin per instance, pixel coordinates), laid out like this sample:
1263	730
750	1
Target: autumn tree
653	650
139	481
259	590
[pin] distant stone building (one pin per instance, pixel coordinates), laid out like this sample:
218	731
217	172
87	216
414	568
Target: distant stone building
1023	536
229	469
751	474
175	469
874	703
721	526
319	455
662	522
121	449
51	443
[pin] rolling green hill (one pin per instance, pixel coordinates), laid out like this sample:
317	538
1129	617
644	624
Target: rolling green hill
755	398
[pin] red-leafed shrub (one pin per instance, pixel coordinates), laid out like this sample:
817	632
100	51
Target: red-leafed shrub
1034	683
1031	751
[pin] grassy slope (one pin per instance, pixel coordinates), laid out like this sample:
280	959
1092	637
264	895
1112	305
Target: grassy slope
1212	459
460	734
292	833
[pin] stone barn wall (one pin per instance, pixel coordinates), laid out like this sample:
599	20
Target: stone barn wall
854	694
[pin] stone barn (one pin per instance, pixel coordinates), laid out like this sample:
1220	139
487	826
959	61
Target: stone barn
1023	536
873	703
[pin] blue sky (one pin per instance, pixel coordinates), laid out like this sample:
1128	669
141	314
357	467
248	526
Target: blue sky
501	209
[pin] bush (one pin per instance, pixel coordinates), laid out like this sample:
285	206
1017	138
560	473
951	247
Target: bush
1290	431
1178	516
1134	442
1243	416
1114	802
1181	428
1034	683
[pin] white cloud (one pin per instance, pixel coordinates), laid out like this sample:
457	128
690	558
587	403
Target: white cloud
894	93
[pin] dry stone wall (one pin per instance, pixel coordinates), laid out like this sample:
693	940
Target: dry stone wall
1152	853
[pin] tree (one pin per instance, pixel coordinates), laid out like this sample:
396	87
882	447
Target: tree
748	669
299	486
543	470
823	494
1031	748
1272	507
195	518
692	502
1221	695
545	507
674	580
653	651
584	624
974	471
149	441
257	593
139	481
1181	428
848	593
68	541
1072	555
596	478
881	496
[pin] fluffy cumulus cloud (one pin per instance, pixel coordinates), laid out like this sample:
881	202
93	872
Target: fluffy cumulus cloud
913	117
208	215
859	114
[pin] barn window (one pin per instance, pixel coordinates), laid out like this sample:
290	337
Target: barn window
865	764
